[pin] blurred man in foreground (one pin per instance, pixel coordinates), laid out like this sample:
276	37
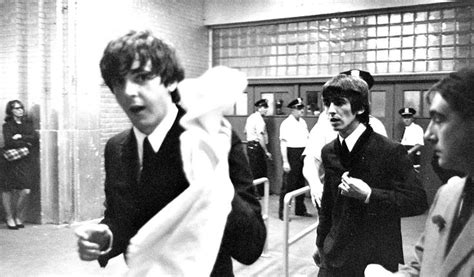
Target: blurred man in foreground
446	245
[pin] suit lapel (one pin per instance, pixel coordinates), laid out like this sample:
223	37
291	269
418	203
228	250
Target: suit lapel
360	145
442	219
130	158
438	227
462	247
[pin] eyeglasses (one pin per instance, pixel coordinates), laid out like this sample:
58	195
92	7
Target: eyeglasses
17	108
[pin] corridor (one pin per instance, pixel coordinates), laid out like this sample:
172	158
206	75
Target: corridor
50	250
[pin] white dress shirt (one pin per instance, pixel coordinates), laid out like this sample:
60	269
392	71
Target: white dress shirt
413	135
294	132
322	133
158	135
353	137
255	126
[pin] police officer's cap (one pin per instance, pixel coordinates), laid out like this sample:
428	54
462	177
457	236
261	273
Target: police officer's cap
261	103
296	104
364	75
407	112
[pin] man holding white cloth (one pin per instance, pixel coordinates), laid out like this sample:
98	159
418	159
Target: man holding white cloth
180	220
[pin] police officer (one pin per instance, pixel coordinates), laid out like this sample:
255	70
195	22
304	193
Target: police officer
257	140
293	137
412	136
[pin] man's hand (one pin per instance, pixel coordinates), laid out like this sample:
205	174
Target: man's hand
353	187
17	136
317	257
286	167
316	195
376	270
92	240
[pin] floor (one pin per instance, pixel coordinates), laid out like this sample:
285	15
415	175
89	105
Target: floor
50	250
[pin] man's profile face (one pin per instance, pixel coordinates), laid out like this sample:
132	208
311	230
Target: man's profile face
451	136
342	119
144	98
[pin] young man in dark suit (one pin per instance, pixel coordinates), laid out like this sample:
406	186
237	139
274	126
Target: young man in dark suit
446	246
369	185
143	73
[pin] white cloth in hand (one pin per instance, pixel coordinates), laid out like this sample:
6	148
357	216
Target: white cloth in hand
184	238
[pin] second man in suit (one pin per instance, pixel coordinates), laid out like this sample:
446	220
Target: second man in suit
369	185
446	246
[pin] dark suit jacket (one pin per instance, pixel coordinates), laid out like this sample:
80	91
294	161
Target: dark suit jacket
130	204
352	233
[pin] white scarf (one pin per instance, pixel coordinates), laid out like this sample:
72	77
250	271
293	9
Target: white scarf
184	238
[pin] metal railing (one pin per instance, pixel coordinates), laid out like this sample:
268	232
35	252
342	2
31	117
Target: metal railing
266	201
287	241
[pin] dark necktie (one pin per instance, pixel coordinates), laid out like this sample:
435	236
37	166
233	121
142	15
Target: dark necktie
345	154
465	212
147	162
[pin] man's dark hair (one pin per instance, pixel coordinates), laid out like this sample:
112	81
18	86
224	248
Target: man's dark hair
120	54
457	89
352	88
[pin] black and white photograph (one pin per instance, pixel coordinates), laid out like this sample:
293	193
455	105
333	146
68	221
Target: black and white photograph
239	138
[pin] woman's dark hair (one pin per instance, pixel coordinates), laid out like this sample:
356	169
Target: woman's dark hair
352	88
457	89
120	54
9	109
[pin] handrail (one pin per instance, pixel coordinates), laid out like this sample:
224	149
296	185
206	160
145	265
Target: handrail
286	230
266	201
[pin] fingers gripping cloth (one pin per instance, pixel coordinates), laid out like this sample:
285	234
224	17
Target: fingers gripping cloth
183	239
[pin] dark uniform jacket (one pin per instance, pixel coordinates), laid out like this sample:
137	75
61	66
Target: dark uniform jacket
130	204
352	233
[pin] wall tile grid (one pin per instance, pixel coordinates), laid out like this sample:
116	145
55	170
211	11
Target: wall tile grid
430	40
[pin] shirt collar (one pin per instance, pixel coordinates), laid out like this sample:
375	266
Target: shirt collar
294	118
354	136
158	135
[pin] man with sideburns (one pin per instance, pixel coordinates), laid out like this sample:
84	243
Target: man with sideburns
446	247
369	185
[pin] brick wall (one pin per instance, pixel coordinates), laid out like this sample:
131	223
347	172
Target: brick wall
20	68
49	54
183	29
10	58
179	23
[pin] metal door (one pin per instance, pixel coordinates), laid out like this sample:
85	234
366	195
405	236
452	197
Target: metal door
274	93
381	98
414	95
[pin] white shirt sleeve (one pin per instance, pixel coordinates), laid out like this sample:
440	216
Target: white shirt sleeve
321	134
377	125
